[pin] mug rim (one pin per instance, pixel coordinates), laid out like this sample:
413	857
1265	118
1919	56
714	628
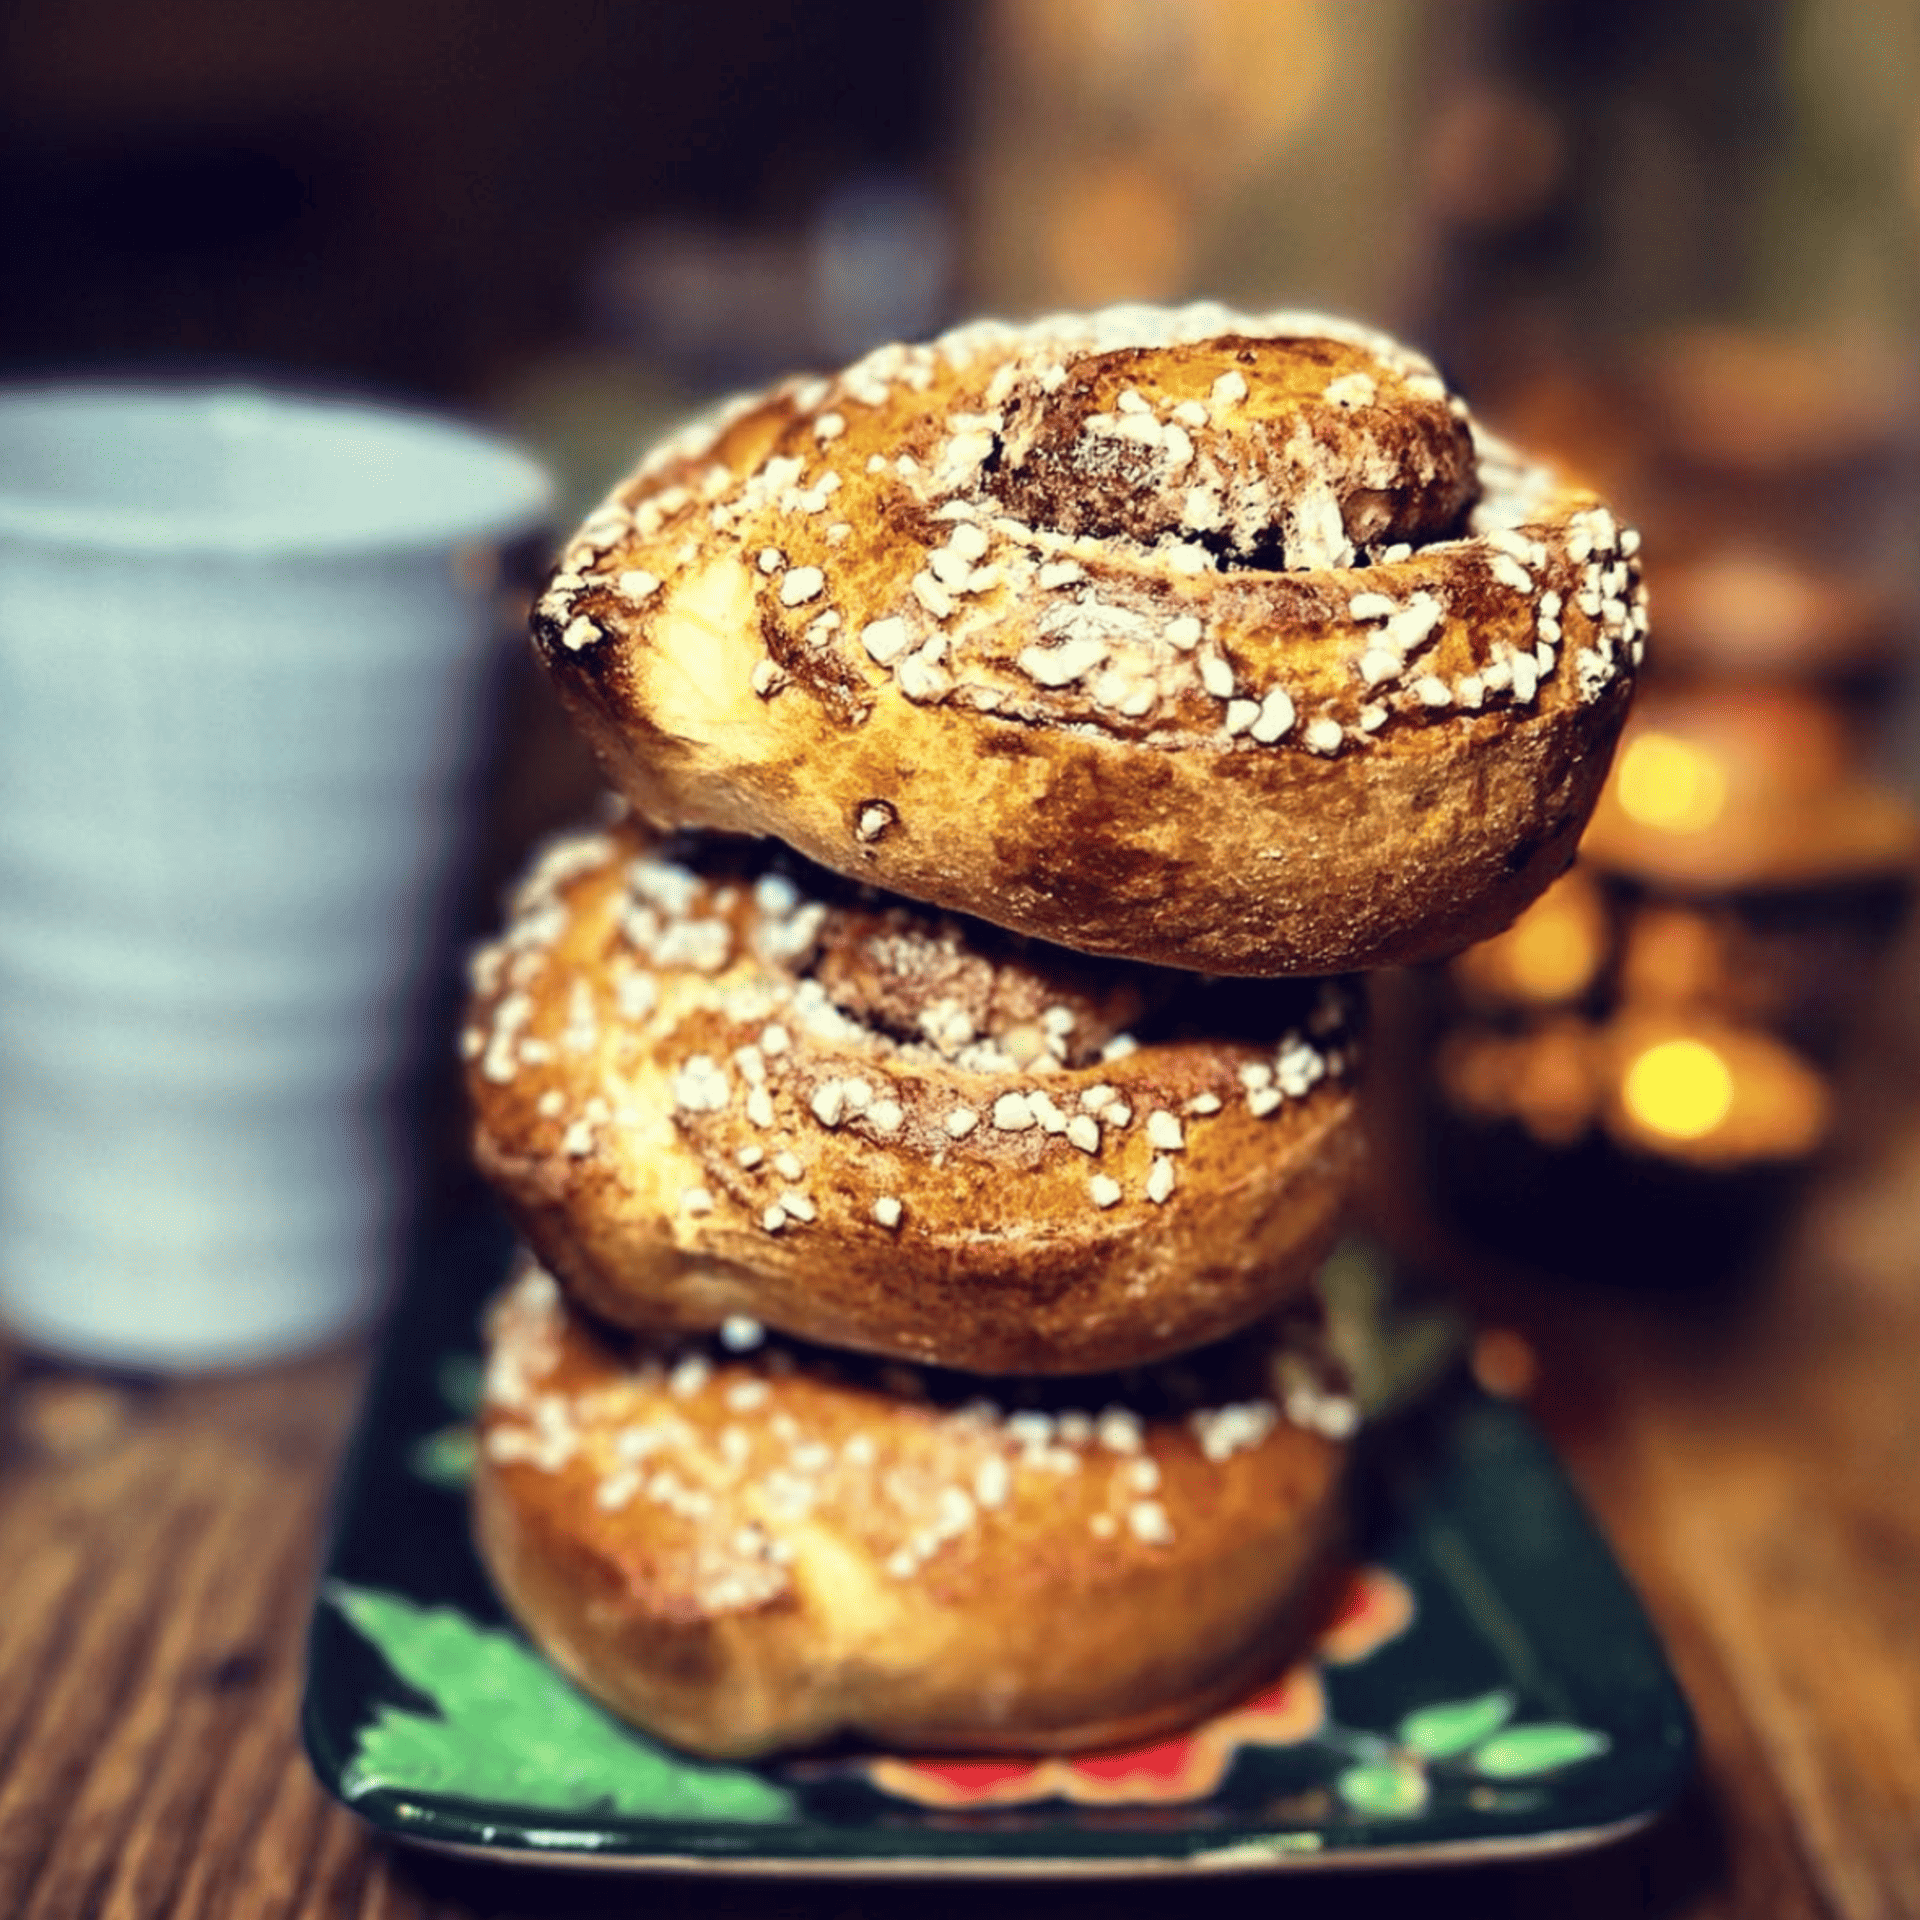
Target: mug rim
466	484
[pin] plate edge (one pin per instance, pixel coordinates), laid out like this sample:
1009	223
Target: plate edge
1248	1857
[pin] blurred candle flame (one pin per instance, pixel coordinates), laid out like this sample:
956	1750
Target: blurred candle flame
1550	955
1671	784
1681	1088
1553	953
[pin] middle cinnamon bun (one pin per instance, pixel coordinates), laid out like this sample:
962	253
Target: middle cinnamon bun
710	1079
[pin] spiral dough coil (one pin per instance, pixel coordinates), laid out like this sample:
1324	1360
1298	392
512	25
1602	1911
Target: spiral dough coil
710	1080
1220	642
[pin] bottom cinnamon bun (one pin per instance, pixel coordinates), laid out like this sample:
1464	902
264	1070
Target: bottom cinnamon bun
744	1544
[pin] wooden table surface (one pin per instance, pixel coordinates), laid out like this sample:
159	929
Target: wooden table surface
1756	1461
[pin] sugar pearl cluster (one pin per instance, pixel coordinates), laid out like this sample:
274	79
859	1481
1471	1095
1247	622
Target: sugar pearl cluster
1170	638
787	1074
750	1442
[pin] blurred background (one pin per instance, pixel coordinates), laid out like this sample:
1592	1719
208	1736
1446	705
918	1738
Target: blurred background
1677	245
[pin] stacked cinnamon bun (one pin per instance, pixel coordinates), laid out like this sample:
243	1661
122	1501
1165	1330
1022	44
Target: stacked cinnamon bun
927	1105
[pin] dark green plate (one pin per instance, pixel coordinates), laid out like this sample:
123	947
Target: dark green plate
1489	1688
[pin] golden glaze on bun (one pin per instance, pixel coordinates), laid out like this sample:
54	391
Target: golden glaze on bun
710	1079
1220	642
745	1552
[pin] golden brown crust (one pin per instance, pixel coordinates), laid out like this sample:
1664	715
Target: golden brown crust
747	1088
1214	642
744	1553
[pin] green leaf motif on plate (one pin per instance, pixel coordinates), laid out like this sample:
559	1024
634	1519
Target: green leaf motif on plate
1452	1726
1521	1751
1383	1787
508	1729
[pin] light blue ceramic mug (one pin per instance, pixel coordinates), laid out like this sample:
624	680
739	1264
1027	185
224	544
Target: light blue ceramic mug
243	636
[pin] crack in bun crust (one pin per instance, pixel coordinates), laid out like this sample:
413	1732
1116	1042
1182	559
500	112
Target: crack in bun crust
711	1080
1222	642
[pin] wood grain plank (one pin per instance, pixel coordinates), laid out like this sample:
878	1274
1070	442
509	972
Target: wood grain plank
341	1866
143	1746
1799	1617
263	1769
264	1795
159	1569
46	1580
209	1700
118	1619
260	1815
279	1859
1742	1846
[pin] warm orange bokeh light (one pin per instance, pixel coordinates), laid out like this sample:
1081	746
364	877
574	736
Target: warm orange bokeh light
1722	788
1670	783
1550	955
1553	952
1544	1077
1215	84
1680	1088
1118	232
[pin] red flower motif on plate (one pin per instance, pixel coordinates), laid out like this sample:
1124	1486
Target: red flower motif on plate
1373	1607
